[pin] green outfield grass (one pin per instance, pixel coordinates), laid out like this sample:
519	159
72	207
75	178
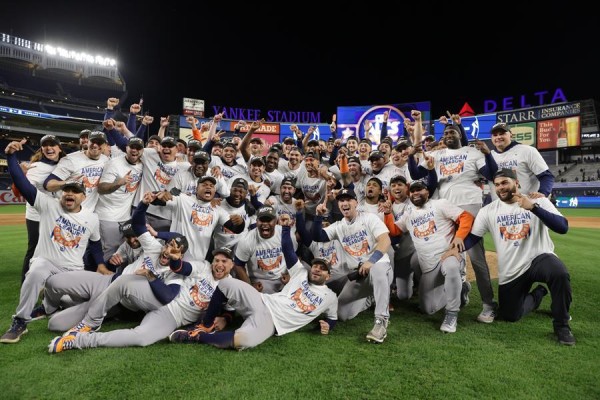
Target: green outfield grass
503	360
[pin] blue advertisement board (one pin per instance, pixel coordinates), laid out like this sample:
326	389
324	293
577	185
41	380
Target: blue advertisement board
476	127
578	202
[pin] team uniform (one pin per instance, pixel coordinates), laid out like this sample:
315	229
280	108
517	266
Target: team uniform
526	162
187	182
406	262
432	228
224	237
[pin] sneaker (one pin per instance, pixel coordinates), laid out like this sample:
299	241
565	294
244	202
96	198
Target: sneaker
184	336
61	343
464	293
79	328
200	328
16	330
379	331
450	322
487	315
38	313
565	336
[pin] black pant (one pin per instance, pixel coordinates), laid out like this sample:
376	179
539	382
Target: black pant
514	298
33	235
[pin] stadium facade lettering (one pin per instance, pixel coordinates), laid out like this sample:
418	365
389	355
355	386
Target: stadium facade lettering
253	114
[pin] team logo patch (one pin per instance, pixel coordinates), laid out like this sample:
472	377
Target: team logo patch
515	232
302	302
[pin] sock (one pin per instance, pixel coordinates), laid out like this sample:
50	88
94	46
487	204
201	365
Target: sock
222	340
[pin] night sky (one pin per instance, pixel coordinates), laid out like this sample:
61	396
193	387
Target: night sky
309	59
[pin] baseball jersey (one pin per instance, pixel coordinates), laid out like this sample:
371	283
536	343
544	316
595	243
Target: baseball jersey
36	175
116	206
78	163
432	228
196	220
457	171
519	236
195	295
526	161
149	259
64	236
300	302
358	238
263	257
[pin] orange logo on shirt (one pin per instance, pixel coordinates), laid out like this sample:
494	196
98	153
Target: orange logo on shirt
510	232
132	187
201	219
420	232
57	235
302	302
446	170
199	298
161	177
262	263
90	182
358	252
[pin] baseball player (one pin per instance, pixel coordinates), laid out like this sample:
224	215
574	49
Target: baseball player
365	241
304	298
234	204
152	281
186	308
519	227
432	226
66	230
117	188
186	179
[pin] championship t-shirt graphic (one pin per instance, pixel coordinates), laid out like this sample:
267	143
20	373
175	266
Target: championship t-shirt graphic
67	234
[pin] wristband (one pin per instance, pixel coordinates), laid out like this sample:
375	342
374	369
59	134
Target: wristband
376	256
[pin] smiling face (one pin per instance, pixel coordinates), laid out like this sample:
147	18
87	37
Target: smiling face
133	154
294	157
399	190
347	207
451	139
95	149
168	152
352	146
200	168
419	196
505	188
221	266
372	192
272	161
51	151
287	192
501	139
318	274
237	195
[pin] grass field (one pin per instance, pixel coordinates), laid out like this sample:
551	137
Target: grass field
503	360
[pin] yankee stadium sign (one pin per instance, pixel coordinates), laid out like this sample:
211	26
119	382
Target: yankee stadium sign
253	114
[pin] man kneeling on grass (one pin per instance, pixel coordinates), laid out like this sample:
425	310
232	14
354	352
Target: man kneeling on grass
519	227
304	298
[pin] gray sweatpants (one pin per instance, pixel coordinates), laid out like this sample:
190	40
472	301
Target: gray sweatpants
353	297
132	291
112	237
258	323
479	263
441	287
83	287
156	325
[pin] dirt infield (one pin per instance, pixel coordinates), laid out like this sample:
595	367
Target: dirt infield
574	222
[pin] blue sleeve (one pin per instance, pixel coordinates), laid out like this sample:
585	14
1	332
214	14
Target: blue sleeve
138	219
333	155
331	323
208	146
117	138
546	182
16	173
432	181
131	122
557	223
48	179
254	201
234	228
108	114
163	292
318	234
384	132
181	267
471	240
288	247
95	247
464	140
490	168
301	229
416	171
141	132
